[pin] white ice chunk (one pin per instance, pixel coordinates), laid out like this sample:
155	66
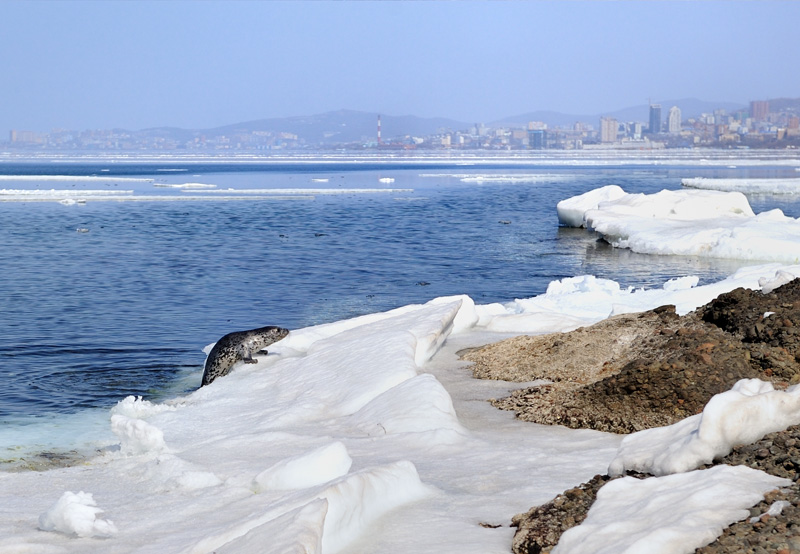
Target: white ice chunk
137	408
695	223
781	278
136	435
306	470
775	509
572	210
681	283
742	415
76	514
675	514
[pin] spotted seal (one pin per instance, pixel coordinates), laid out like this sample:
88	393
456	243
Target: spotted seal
239	345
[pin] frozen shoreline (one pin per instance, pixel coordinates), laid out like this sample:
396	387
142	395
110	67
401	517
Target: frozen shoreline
381	397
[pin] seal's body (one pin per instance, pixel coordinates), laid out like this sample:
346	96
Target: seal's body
239	345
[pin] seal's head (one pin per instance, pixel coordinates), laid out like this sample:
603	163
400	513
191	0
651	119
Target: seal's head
239	345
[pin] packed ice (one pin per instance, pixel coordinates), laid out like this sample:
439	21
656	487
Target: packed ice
705	223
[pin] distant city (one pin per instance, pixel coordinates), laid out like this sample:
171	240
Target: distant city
762	124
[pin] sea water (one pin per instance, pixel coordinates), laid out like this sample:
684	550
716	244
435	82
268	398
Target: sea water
105	299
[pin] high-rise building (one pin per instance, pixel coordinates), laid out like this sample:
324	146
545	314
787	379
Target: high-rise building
608	129
674	120
759	109
655	119
537	139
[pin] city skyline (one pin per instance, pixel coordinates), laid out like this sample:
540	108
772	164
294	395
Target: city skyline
200	65
763	123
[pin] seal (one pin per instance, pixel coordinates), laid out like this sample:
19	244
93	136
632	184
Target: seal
239	345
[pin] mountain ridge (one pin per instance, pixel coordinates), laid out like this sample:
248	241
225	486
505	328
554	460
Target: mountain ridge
349	126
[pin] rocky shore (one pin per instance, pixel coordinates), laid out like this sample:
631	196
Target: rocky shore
637	371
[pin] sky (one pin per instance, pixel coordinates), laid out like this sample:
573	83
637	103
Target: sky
201	64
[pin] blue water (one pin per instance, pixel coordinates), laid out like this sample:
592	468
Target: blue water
125	307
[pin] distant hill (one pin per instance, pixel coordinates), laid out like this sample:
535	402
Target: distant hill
346	126
785	105
349	126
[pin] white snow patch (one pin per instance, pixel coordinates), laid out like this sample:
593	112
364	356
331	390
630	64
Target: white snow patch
775	509
781	278
76	514
742	415
136	435
306	470
675	514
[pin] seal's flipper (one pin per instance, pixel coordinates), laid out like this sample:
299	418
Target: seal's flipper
246	353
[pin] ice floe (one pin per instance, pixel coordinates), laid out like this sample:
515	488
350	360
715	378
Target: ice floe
701	223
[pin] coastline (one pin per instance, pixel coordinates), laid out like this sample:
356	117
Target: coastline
742	334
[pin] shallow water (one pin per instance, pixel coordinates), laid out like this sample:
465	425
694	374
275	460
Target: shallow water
107	299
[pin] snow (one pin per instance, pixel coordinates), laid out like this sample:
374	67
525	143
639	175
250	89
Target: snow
369	435
76	514
742	415
667	515
704	223
775	509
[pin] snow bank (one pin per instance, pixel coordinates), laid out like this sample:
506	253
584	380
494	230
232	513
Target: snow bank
746	186
578	301
76	514
671	515
742	415
687	222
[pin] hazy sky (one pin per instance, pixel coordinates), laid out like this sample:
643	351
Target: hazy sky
138	64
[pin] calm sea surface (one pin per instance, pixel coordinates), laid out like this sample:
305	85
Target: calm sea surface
106	299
